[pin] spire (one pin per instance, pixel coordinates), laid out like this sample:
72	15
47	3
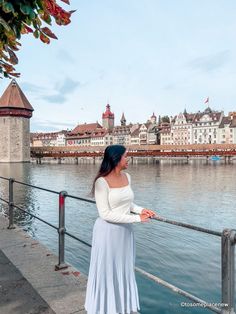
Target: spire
108	113
123	120
153	118
153	115
13	97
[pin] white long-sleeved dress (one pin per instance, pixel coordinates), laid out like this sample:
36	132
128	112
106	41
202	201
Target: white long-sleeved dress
111	287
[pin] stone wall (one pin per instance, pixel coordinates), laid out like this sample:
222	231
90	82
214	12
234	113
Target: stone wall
14	139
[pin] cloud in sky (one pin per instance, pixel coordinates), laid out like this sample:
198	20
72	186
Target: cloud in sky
148	55
49	125
211	62
58	94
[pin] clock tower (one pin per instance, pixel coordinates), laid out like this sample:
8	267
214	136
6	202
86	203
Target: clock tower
108	119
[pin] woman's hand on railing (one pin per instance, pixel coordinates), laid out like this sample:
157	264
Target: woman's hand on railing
146	214
150	213
144	217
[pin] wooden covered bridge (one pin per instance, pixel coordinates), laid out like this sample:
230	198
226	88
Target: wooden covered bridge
161	151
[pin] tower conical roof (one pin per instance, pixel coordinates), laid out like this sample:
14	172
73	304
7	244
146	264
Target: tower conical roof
13	97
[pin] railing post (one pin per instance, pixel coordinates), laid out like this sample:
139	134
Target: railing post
228	240
10	204
61	232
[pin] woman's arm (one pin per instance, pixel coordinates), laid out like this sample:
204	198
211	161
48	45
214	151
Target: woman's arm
101	198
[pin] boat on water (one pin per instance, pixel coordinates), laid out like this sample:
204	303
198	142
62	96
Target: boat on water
215	158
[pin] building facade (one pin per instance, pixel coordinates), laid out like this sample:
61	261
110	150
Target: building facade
206	126
15	114
181	129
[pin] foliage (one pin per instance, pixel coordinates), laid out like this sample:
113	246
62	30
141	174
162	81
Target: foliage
165	119
19	17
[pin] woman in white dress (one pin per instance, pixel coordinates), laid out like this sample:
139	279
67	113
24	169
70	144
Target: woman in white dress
111	287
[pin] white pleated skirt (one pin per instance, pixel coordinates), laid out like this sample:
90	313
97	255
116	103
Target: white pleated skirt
111	287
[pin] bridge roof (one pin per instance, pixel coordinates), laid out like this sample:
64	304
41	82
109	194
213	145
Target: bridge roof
13	97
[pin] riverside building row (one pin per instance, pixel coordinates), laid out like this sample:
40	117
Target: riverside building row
207	127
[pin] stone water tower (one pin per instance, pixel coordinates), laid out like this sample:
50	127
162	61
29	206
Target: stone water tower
15	114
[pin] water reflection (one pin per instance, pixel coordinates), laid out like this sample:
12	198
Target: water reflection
23	196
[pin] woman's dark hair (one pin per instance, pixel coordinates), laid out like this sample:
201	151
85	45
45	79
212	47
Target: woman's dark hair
111	158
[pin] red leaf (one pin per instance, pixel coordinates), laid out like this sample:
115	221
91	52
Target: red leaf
44	38
13	58
48	32
26	29
66	1
14	74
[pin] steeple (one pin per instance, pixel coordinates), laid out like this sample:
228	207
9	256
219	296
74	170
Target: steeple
123	120
108	118
153	118
14	103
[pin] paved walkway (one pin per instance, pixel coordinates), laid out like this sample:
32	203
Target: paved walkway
28	282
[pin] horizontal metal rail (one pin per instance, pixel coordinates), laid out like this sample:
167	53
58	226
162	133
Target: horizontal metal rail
2	199
4	178
81	199
189	226
76	238
37	187
177	290
228	240
36	217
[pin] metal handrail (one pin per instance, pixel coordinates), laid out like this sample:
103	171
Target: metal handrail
228	238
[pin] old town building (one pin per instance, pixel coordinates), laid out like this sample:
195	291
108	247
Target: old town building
206	125
181	129
122	133
82	133
48	138
15	114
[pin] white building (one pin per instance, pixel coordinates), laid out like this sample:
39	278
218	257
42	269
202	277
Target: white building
122	133
227	130
206	127
181	129
101	137
134	134
166	137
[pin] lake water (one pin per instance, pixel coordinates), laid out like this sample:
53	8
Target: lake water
196	193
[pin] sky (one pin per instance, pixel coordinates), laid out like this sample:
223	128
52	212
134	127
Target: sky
141	56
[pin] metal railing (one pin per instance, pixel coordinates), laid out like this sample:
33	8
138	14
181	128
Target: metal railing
228	240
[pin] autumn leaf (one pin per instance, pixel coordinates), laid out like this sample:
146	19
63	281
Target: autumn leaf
66	1
14	74
13	58
48	32
44	38
26	29
26	17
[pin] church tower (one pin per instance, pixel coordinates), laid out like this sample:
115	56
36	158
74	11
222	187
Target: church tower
108	119
123	120
153	118
15	114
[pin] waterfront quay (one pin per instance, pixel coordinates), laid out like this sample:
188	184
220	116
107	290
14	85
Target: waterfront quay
28	282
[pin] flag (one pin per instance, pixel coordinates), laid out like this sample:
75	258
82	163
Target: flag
206	101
